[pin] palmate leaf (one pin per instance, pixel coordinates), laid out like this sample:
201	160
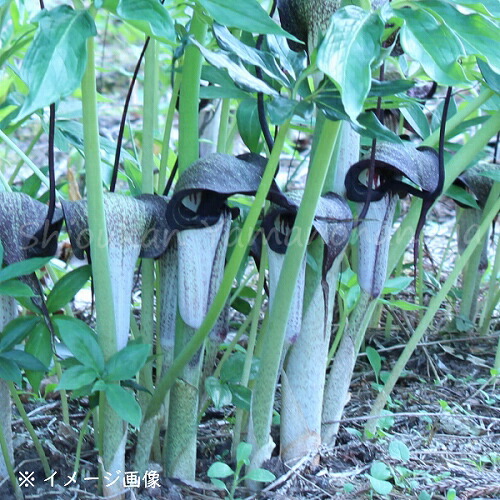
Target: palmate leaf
350	46
433	44
55	62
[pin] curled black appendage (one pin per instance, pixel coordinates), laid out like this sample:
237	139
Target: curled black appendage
371	171
429	198
119	140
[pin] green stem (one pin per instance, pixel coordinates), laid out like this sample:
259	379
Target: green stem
29	427
491	209
454	168
244	239
263	397
26	160
165	149
63	393
190	95
492	297
223	126
4	448
81	437
30	147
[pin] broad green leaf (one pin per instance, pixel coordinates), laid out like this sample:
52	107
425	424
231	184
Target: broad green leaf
16	331
81	341
399	450
22	268
240	75
396	285
218	484
352	42
55	62
488	7
374	359
241	396
417	119
250	55
15	288
247	16
381	486
233	368
260	475
24	360
373	128
402	304
39	345
124	404
218	392
9	370
475	31
149	16
491	174
389	87
380	470
491	77
65	289
126	363
77	377
247	118
461	195
243	452
219	470
433	45
223	85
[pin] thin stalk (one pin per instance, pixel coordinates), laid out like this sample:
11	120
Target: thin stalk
223	126
22	413
491	209
252	338
492	297
165	149
63	393
8	465
455	166
30	147
81	437
190	95
113	428
26	160
145	438
419	270
263	396
232	267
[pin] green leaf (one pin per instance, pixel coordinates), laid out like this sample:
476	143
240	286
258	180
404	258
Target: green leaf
23	268
260	475
15	288
218	392
16	331
433	45
399	451
396	285
373	128
475	31
374	359
461	195
415	116
243	452
402	304
39	345
233	368
9	370
55	62
124	404
380	486
487	7
380	470
24	360
352	42
149	16
491	174
67	287
77	377
81	341
247	16
219	470
241	396
247	118
126	363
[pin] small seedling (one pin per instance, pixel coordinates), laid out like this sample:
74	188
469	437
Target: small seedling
220	470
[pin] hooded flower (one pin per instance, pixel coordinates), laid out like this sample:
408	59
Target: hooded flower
136	228
333	223
199	213
399	170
